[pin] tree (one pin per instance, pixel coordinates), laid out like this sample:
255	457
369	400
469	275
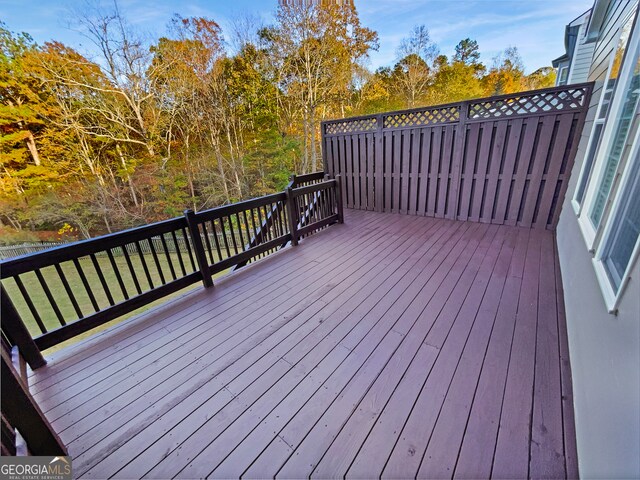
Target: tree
413	71
315	46
151	126
467	52
542	78
22	102
454	82
506	74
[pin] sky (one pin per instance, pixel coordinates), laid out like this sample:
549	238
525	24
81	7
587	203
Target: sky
536	27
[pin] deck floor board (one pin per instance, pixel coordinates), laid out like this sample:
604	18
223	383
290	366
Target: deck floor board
393	345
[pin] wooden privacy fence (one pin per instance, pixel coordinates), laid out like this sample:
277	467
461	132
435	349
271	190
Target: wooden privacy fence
503	159
51	296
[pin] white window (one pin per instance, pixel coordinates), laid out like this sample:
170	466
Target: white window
564	74
603	111
607	196
621	240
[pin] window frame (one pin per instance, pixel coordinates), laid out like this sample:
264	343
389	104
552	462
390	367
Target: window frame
611	295
593	234
566	79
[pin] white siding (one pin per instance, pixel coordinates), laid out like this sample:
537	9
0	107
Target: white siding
582	55
581	63
604	349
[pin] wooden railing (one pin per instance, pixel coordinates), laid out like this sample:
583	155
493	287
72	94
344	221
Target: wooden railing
51	296
25	430
503	159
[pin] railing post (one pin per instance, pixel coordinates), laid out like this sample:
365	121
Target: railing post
339	198
23	413
293	215
201	257
18	334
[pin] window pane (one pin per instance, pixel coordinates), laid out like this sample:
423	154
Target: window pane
626	231
564	73
588	161
606	98
617	143
620	49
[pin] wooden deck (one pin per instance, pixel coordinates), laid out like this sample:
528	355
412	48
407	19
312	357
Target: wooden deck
392	345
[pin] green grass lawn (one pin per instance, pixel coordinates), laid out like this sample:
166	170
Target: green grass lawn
52	279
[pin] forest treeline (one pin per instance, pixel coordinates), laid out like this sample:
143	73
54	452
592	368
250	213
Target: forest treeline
141	130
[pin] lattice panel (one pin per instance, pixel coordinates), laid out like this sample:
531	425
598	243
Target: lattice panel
351	126
569	99
424	117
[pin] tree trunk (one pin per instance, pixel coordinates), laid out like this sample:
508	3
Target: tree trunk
31	145
314	153
134	196
305	143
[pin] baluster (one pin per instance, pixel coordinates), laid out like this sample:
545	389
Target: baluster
87	287
178	252
224	237
215	240
132	271
189	249
156	261
30	305
233	235
47	293
67	289
166	254
242	244
265	232
117	272
247	229
207	242
144	264
96	265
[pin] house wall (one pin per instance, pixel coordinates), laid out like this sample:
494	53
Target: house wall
582	55
604	349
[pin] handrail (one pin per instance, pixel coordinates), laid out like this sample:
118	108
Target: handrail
277	211
51	296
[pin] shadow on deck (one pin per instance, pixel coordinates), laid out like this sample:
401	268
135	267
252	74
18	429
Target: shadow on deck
391	345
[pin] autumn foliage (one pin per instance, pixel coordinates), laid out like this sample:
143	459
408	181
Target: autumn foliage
138	132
